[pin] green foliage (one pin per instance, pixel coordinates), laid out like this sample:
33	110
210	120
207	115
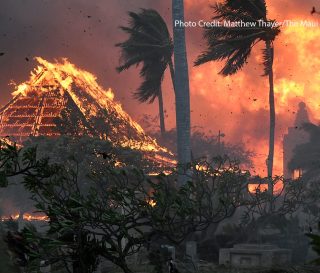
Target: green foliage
315	242
284	202
118	210
6	265
85	222
91	153
11	225
15	161
213	193
3	179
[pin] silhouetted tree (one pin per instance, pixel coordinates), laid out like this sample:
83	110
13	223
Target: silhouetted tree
120	210
149	44
234	44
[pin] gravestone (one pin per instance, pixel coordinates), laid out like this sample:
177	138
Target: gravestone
45	268
254	255
191	250
171	251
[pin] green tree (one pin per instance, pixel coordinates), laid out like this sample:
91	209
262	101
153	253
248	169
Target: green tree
234	44
119	210
213	193
149	44
15	161
6	264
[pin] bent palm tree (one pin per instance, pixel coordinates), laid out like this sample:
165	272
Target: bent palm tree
235	43
149	44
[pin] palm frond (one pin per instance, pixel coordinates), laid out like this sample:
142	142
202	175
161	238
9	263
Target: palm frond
150	21
236	51
224	12
237	60
152	73
234	44
236	56
149	44
140	35
255	8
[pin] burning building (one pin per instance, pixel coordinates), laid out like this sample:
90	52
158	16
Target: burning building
59	89
295	136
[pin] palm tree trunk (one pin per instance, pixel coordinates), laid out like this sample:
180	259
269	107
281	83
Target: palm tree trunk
161	114
270	51
181	84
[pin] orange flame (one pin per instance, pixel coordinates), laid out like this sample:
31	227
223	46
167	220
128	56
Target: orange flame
26	217
254	188
65	77
152	203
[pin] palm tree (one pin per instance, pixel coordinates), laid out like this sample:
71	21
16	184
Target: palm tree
181	81
149	44
234	44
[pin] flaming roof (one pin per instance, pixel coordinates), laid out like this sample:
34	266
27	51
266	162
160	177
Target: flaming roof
54	87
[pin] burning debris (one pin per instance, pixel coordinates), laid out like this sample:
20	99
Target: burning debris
26	217
54	88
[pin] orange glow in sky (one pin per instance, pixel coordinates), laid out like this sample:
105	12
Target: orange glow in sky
235	105
238	104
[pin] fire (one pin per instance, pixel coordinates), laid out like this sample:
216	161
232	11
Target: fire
201	167
11	217
238	105
254	188
165	172
31	217
285	90
91	99
67	74
21	89
26	217
152	203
